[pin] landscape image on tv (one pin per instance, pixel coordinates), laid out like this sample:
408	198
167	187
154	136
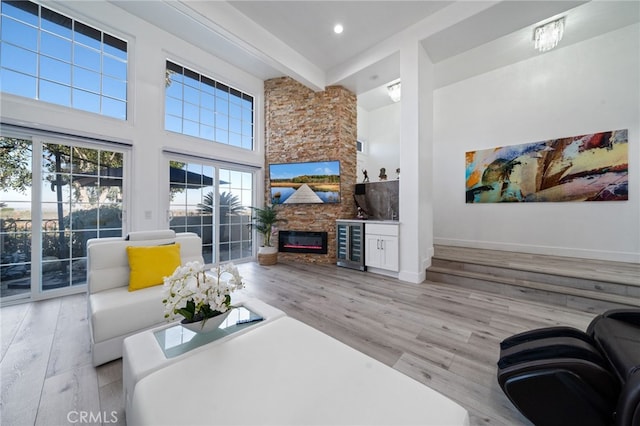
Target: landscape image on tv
315	182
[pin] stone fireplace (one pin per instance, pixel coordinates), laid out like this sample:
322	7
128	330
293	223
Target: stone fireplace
302	125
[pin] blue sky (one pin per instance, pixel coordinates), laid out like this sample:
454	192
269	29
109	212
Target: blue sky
290	170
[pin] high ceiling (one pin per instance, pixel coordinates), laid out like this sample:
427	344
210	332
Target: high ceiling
295	38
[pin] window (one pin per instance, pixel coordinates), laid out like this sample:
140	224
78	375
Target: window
198	106
55	197
220	220
48	56
360	145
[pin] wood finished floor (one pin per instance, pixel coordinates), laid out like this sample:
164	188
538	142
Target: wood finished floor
443	336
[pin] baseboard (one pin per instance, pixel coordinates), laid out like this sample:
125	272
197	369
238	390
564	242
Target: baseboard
547	250
413	277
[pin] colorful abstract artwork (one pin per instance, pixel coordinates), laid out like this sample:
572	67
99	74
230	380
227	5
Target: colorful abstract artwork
580	168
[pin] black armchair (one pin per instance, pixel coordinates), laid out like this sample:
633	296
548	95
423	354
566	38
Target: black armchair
564	376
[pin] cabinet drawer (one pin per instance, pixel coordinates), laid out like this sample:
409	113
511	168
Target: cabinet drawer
380	229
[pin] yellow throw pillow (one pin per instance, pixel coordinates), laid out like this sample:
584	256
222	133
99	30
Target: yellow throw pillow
150	264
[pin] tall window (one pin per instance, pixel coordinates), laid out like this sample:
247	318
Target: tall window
48	56
213	203
199	106
53	198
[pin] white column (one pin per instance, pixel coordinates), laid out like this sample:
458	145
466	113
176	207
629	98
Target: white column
416	148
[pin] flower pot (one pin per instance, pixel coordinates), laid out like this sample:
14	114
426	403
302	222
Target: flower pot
207	326
268	255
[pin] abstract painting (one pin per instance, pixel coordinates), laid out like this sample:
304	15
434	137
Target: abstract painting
579	168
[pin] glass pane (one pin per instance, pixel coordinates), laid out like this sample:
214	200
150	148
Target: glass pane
20	34
56	158
192	79
56	47
207	116
114	108
172	123
18	59
83	216
191	95
174	90
207	132
22	10
115	47
194	197
18	84
55	93
110	216
114	88
173	106
235	139
56	187
207	101
85	79
111	163
86	101
84	161
15	217
222	122
86	58
190	128
87	35
191	112
114	68
55	70
56	23
235	111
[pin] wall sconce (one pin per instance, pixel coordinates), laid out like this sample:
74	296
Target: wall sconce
547	36
394	91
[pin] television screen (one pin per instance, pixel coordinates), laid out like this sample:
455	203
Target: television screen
315	182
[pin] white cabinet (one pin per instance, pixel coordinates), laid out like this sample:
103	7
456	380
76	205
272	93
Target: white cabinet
381	246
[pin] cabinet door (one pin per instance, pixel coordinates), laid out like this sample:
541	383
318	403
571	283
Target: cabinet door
372	250
389	253
342	237
355	243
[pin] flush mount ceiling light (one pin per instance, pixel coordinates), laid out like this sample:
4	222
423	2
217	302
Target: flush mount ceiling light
394	91
338	29
547	36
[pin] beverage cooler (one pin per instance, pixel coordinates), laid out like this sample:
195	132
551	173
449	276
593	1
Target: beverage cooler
350	244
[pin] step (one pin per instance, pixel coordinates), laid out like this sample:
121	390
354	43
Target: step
579	283
535	276
599	270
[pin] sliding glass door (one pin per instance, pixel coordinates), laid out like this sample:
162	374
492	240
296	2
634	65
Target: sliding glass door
213	202
54	196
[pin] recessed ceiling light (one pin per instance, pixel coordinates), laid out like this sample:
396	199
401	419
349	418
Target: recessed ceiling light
338	29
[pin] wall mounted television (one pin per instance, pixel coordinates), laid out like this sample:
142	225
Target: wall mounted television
314	182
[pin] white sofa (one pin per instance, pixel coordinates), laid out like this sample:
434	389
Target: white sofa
114	311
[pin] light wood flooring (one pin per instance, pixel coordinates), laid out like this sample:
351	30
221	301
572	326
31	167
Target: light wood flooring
443	336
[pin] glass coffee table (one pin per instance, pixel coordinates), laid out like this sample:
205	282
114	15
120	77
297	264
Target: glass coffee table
177	340
151	350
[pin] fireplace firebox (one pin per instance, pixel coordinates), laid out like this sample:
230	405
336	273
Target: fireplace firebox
302	242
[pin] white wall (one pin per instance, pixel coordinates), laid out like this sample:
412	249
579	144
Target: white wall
149	48
381	130
584	88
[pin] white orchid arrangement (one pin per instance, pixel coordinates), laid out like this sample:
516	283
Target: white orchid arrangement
197	295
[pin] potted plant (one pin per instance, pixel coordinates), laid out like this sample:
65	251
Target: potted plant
264	221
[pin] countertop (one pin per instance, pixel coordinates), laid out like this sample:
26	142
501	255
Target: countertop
378	221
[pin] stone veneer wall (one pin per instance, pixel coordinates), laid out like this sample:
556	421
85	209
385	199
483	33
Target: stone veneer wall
303	125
